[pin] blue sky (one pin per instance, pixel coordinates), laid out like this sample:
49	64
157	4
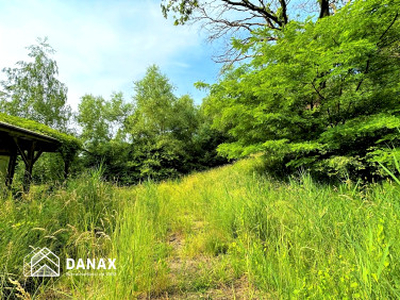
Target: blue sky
103	45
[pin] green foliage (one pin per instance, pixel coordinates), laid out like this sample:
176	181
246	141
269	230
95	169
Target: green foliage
158	136
101	120
156	125
103	133
323	96
50	166
48	169
70	143
155	105
32	90
115	157
195	236
183	8
167	132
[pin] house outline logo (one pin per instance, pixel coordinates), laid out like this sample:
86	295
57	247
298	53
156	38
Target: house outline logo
41	263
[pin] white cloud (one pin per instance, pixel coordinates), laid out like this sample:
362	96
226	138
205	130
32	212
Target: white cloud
102	46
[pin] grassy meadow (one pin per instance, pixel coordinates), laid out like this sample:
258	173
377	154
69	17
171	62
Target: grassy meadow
228	233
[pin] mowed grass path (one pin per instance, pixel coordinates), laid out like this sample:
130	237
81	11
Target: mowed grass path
223	234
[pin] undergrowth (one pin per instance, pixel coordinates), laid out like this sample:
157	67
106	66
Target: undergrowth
229	228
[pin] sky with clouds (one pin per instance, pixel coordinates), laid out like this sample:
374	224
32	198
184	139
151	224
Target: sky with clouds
104	46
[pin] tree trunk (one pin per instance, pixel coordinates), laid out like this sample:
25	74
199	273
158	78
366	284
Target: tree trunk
324	8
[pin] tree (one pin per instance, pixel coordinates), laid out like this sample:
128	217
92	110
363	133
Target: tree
103	131
33	91
153	104
239	18
166	132
91	118
323	97
158	153
101	120
158	136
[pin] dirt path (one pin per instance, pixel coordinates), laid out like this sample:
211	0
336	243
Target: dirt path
184	271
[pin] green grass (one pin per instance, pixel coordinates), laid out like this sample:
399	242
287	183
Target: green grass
229	232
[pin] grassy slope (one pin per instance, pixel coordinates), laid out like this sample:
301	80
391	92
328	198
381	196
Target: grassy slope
223	233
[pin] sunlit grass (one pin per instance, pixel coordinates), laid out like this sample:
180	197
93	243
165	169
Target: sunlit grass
230	230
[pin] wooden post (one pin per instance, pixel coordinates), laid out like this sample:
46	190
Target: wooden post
16	141
29	159
11	169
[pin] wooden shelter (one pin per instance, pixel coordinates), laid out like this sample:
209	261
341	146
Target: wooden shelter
15	140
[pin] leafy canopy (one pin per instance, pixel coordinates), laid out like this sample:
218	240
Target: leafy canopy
324	96
101	120
33	91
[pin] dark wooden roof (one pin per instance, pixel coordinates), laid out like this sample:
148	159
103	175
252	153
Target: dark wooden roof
8	134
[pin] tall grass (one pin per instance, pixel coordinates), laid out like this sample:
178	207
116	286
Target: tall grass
227	229
75	218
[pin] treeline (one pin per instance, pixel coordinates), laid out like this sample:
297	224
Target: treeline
155	135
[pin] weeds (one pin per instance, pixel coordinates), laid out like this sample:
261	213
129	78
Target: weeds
210	231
